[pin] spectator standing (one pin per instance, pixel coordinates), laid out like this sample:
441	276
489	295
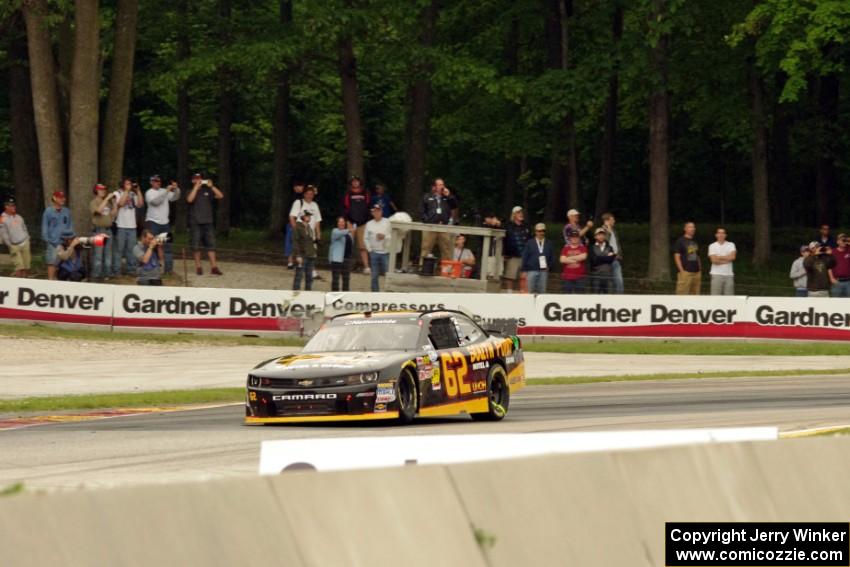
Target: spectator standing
435	209
722	254
608	222
840	273
454	204
378	240
818	266
14	233
149	269
824	238
798	273
574	262
462	254
355	207
574	223
538	258
516	236
201	220
601	256
128	200
304	249
340	252
157	221
381	197
55	221
688	265
103	208
297	195
69	258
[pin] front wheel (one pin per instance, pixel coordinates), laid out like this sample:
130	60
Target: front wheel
498	396
408	402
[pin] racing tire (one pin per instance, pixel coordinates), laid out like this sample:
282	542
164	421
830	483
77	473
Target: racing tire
498	395
408	400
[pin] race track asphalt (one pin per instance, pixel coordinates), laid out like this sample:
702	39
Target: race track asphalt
213	443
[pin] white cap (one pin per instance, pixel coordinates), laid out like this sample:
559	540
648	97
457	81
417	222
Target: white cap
516	209
572	212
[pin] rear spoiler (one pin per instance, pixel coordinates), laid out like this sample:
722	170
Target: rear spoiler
502	326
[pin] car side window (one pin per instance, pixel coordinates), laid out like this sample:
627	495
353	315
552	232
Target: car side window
468	332
443	334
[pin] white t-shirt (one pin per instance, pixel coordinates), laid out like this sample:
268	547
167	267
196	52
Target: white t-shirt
373	229
300	205
127	214
725	249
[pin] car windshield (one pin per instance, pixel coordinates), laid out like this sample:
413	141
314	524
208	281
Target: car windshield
365	334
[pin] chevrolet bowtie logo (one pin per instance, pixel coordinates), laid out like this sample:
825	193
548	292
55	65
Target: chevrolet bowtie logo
305	383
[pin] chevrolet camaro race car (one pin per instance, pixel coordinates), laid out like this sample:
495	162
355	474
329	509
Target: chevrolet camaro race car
390	365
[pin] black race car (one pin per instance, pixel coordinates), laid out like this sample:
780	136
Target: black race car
390	365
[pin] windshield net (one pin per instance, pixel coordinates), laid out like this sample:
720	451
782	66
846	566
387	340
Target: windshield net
366	334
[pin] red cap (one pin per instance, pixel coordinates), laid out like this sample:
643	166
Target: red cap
98	187
58	194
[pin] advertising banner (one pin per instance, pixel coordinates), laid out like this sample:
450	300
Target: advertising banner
638	316
798	318
55	302
215	309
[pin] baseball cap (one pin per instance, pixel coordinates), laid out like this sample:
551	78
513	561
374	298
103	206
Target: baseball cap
540	226
572	212
9	201
573	233
814	244
803	248
377	206
599	230
841	236
156	177
58	194
196	175
516	209
97	187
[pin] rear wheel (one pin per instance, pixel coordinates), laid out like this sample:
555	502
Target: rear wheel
408	402
498	395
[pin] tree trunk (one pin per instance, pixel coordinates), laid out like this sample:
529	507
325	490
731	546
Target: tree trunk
511	180
351	107
183	148
27	178
659	160
609	138
225	123
512	164
45	101
419	119
281	140
85	112
761	199
826	184
120	92
555	192
565	12
785	210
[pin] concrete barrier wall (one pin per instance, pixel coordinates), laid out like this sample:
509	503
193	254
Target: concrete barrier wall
586	509
280	311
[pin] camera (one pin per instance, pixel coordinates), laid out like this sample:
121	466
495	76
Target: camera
161	238
98	240
205	183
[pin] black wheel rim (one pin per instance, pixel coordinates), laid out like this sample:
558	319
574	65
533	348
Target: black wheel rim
497	389
406	394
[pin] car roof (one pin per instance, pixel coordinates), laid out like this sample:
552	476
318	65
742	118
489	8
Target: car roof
408	316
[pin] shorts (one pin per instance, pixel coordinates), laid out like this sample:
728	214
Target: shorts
203	236
359	237
50	254
512	268
21	255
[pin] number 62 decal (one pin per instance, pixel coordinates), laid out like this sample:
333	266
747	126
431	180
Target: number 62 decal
455	371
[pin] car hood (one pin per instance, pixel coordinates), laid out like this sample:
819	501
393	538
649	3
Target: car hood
329	363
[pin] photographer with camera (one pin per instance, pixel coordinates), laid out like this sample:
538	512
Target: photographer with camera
159	201
147	255
201	198
304	248
840	273
103	210
69	258
128	198
818	266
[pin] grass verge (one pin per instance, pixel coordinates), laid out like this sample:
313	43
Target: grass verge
229	395
45	332
565	380
702	348
134	400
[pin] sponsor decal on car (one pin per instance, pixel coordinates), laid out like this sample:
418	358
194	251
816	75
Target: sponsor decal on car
435	379
365	395
479	386
481	365
380	408
252	396
303	397
511	359
385	394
